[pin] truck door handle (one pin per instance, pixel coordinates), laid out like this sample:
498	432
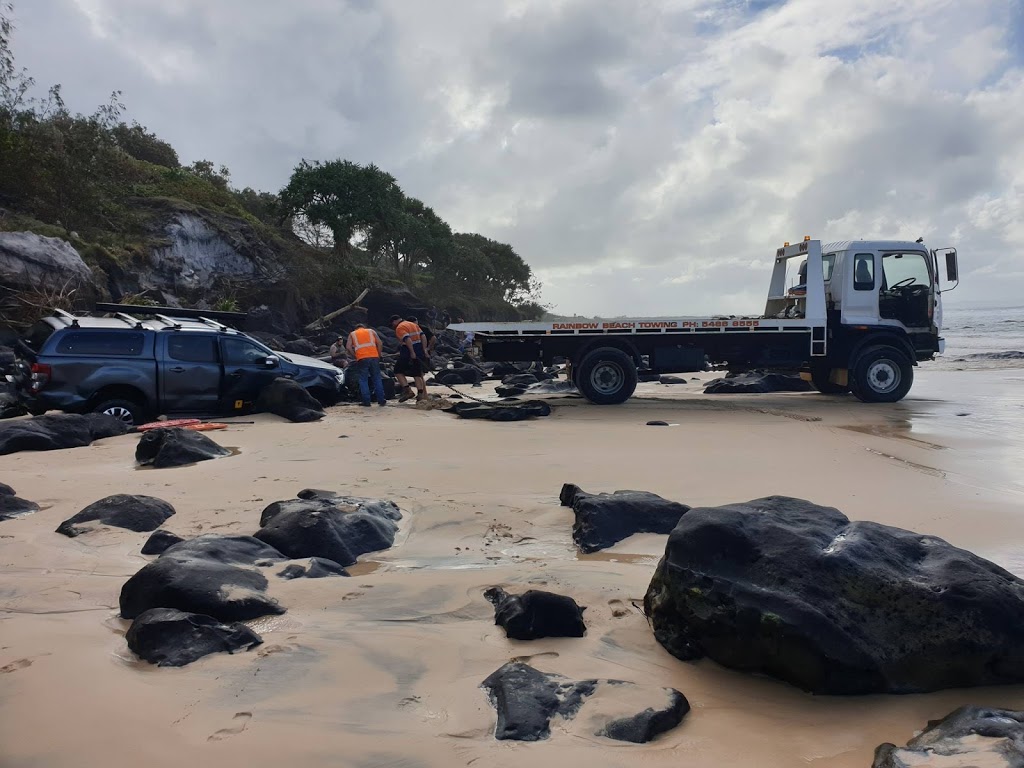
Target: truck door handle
235	374
177	369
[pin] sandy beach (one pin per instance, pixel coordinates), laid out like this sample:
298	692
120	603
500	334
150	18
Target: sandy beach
383	669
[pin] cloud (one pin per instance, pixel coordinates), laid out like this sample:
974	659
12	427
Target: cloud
645	158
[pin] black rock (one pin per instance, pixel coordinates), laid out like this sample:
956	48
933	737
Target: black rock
567	495
335	528
300	347
790	589
170	638
159	541
227	550
197	585
58	431
657	423
473	410
519	380
672	380
969	736
289	400
134	513
176	447
604	519
11	506
512	390
319	568
527	699
536	614
6	490
758	382
10	406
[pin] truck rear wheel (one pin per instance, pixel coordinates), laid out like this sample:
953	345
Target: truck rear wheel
606	376
123	409
881	375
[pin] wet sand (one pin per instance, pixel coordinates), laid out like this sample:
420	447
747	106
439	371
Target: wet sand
382	669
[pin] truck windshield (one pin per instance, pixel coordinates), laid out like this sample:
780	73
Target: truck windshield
906	268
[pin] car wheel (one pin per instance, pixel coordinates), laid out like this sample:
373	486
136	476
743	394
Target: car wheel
127	411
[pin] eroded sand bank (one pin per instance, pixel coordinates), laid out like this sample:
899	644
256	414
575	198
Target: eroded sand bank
382	669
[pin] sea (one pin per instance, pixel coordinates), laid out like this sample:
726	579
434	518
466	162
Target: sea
982	337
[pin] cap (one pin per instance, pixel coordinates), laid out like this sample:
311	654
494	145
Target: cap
395	317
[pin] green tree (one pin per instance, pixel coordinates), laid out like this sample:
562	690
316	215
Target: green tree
408	237
139	143
206	170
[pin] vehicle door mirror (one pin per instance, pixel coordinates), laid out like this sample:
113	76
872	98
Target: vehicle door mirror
271	361
951	267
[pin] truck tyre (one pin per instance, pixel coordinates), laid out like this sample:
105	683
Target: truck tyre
606	376
128	411
819	379
881	375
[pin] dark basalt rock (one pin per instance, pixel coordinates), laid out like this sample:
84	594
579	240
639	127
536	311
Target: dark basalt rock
176	447
170	638
536	614
520	412
134	513
289	400
227	550
512	390
196	585
519	380
300	347
757	382
604	519
657	423
969	736
159	541
672	380
58	431
527	699
790	589
332	527
318	569
11	506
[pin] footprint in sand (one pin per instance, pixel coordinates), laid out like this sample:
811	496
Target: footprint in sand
528	659
240	720
352	595
14	666
619	608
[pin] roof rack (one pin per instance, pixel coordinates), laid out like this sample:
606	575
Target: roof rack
213	323
233	319
132	321
66	317
168	321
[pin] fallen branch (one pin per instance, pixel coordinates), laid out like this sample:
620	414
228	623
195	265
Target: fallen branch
323	321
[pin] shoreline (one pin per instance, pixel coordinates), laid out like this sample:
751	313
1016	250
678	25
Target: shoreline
383	668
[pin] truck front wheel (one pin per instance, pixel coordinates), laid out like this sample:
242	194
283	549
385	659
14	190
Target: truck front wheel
122	409
606	376
881	375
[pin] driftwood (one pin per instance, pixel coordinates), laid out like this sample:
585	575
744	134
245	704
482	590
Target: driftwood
323	321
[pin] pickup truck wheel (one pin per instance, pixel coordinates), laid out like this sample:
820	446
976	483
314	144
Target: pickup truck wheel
819	379
606	376
882	375
128	411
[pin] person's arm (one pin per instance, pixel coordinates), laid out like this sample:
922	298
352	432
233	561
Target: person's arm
409	345
380	344
350	346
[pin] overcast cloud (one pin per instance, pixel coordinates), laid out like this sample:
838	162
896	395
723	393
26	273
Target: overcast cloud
644	157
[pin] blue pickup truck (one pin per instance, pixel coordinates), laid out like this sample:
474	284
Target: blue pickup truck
138	368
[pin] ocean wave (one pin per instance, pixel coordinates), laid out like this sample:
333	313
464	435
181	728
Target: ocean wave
1010	354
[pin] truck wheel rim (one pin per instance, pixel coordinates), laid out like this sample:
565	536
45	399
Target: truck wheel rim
884	376
121	413
607	378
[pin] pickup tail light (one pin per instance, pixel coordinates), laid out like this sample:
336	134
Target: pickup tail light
40	377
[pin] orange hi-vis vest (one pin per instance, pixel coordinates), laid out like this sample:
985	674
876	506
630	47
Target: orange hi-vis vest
364	342
410	329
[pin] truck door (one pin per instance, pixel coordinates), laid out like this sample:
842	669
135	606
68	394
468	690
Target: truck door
190	373
906	291
861	279
248	368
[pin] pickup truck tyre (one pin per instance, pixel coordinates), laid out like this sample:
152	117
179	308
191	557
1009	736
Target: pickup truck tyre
881	375
606	376
128	411
819	379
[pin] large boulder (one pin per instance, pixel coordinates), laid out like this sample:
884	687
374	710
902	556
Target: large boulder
171	638
536	614
757	382
176	447
527	699
11	506
30	262
969	737
318	568
131	512
195	584
783	587
300	347
385	301
289	400
227	550
503	412
58	431
332	527
160	541
604	519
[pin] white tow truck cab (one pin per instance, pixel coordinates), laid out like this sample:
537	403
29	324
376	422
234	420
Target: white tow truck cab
864	314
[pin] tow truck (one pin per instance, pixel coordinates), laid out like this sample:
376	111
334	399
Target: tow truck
863	315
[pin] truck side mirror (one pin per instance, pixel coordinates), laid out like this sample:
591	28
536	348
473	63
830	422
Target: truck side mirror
271	361
951	268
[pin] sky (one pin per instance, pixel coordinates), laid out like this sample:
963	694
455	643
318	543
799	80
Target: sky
645	157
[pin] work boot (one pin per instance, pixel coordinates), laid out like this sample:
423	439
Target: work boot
421	396
407	394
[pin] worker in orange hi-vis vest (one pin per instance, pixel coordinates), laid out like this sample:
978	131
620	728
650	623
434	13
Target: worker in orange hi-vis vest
412	358
365	347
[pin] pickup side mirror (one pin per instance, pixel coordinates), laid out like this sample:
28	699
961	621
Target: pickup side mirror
271	361
951	267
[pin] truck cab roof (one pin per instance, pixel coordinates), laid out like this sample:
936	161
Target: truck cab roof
873	245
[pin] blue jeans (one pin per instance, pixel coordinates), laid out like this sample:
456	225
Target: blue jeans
366	368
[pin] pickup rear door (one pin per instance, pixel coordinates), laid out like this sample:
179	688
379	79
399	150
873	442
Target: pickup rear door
246	372
190	373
